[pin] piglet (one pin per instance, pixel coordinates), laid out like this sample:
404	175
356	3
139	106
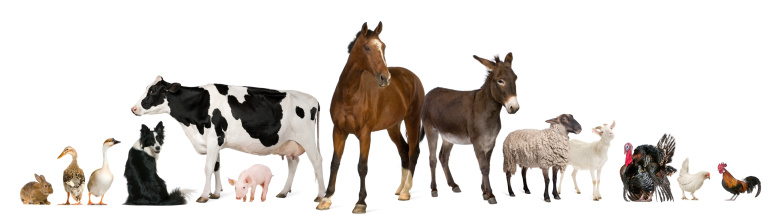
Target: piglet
250	178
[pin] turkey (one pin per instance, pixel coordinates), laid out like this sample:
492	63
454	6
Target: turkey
645	172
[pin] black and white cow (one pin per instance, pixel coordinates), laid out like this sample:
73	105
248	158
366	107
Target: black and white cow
252	120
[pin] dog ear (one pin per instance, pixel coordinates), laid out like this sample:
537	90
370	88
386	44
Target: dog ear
231	181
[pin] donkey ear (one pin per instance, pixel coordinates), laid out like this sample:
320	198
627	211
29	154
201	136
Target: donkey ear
174	87
509	58
364	30
378	28
487	63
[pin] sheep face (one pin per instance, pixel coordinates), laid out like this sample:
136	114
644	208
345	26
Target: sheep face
568	121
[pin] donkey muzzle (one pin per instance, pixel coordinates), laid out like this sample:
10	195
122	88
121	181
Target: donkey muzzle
512	105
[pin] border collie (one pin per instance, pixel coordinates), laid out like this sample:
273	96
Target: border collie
143	183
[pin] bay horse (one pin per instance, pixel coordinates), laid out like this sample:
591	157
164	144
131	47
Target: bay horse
470	117
371	97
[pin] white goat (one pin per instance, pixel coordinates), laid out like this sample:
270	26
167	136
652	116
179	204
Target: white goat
590	156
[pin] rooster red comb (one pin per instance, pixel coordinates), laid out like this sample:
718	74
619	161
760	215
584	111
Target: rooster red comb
722	167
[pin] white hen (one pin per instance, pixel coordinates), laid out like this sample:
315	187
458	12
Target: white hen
691	182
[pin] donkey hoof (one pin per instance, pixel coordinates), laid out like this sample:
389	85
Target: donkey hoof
359	209
557	197
527	192
402	197
318	199
282	195
511	194
214	196
434	193
492	200
202	200
324	204
456	189
548	200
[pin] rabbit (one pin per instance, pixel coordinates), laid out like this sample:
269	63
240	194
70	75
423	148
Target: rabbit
37	192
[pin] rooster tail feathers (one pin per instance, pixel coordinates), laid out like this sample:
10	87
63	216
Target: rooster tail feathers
667	145
751	183
684	170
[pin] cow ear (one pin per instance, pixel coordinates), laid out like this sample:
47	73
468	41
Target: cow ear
231	181
378	28
173	88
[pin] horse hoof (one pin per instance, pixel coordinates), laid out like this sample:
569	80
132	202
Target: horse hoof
359	209
318	199
485	196
511	194
456	189
434	193
402	197
324	204
282	195
492	200
527	192
548	200
202	200
214	196
557	197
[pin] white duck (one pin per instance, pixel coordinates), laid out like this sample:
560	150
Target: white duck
101	179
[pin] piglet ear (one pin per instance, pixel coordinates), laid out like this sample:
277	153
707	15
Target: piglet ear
248	180
231	181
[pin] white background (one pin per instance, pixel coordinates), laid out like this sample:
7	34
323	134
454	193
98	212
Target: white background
700	70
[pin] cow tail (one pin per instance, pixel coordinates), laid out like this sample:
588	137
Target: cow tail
317	121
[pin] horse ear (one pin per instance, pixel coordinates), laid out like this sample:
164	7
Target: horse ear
509	58
378	28
487	63
364	30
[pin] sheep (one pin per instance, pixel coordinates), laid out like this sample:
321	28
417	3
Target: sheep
547	148
590	156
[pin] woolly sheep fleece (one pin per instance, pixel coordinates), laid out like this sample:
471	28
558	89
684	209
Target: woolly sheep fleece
536	148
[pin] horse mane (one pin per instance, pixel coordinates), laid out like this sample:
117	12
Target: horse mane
357	35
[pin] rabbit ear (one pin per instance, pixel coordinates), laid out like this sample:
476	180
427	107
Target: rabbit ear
38	178
43	178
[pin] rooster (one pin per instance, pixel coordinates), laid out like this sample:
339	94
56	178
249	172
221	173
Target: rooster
734	186
691	182
645	171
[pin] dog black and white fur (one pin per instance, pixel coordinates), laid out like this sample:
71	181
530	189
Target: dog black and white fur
143	183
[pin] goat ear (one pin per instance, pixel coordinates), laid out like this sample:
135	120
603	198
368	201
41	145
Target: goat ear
487	63
509	58
612	125
231	181
378	28
596	131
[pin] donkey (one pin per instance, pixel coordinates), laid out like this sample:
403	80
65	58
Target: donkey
370	97
470	117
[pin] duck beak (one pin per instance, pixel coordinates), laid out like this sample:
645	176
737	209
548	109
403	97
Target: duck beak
61	155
